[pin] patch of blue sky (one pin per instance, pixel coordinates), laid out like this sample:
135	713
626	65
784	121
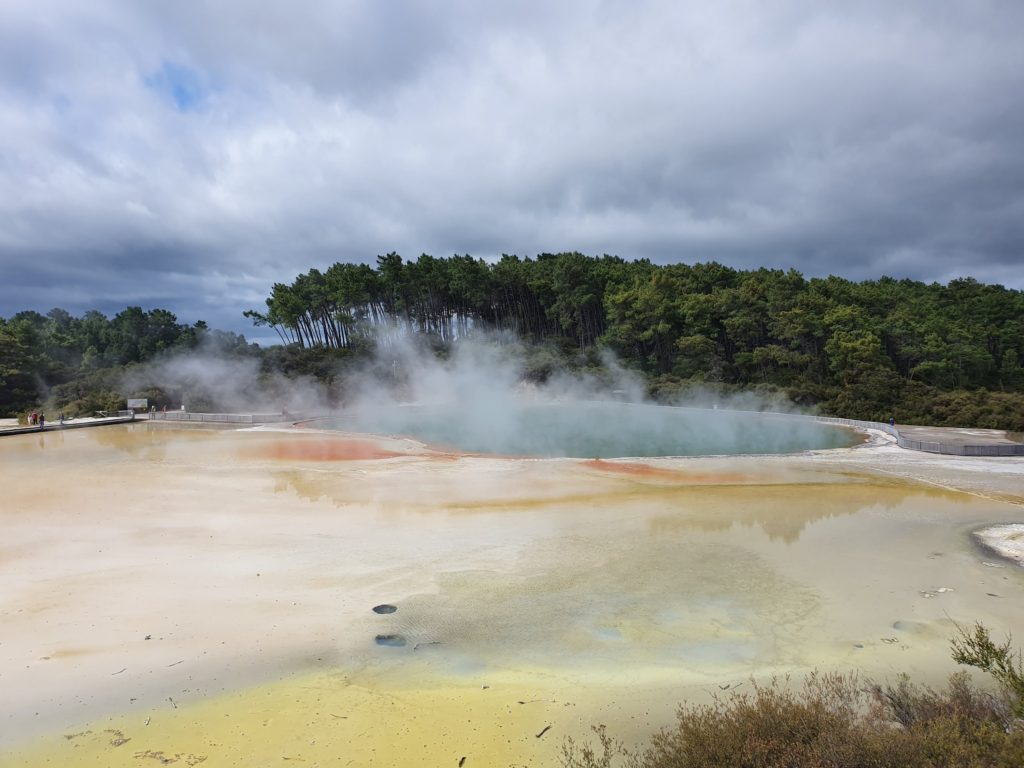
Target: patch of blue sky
61	103
179	84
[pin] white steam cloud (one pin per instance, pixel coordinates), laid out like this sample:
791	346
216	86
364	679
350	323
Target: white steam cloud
491	395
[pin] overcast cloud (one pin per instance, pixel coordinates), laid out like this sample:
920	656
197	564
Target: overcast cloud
189	154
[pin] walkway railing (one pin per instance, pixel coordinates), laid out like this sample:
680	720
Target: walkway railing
222	418
102	418
931	446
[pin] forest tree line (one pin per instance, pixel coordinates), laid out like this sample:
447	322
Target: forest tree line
923	353
73	363
934	353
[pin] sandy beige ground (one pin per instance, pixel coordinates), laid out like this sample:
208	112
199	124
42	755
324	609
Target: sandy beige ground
180	596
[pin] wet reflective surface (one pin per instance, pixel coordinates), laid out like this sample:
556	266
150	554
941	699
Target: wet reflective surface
213	593
595	429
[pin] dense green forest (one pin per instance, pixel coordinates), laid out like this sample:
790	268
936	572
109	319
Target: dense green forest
921	352
76	363
926	353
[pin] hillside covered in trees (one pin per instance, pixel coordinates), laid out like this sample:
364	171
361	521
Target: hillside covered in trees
76	363
923	353
941	354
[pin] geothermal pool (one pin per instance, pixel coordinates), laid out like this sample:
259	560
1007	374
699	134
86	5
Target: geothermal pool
189	596
594	429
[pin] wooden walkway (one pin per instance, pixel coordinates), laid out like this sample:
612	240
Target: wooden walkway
72	424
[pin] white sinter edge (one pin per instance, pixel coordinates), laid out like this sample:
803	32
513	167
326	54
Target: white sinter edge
1007	540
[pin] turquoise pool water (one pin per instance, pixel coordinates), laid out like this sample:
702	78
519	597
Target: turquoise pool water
596	429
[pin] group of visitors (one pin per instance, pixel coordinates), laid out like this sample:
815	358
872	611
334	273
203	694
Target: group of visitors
38	419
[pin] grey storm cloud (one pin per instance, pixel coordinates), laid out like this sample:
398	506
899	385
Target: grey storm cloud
188	155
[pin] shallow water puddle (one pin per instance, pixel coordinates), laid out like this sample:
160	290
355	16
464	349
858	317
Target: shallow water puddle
307	610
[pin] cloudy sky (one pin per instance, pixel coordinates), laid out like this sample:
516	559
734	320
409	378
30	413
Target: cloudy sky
189	154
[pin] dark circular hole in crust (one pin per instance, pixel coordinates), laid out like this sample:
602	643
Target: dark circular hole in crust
384	608
392	641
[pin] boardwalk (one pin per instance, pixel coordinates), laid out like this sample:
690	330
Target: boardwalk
14	428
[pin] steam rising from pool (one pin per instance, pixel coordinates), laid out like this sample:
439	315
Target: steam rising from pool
491	394
479	401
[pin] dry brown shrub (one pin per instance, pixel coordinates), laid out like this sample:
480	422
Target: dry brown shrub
832	721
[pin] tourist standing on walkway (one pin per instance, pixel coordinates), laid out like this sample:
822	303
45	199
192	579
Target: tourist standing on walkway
42	421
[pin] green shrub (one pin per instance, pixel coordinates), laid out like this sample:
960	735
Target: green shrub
977	649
